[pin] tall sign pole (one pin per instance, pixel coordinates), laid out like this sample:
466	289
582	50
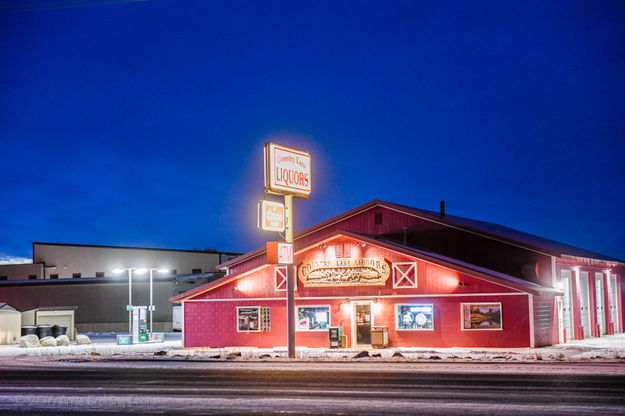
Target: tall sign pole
290	280
287	172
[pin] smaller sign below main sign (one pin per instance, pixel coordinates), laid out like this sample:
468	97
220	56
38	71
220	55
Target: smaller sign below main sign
279	253
271	216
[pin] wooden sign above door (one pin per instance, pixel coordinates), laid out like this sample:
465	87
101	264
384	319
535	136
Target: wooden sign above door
372	271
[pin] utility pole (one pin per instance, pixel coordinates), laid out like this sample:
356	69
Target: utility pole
290	280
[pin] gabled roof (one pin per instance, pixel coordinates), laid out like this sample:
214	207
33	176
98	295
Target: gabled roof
466	268
482	228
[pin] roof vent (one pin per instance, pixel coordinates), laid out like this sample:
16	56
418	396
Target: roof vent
443	209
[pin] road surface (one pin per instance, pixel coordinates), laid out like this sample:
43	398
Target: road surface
303	388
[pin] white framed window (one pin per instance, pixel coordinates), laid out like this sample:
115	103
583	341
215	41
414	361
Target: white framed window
481	316
404	275
279	278
313	317
414	317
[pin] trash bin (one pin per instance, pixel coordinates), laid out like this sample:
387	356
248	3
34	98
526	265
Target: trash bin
44	331
29	330
335	333
379	337
58	330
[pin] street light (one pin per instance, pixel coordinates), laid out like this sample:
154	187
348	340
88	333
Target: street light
151	307
130	269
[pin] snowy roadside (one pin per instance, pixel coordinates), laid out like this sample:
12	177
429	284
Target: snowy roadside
607	348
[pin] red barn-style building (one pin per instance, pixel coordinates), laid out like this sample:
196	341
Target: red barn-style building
433	280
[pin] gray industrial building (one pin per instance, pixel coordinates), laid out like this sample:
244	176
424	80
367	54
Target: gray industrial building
81	276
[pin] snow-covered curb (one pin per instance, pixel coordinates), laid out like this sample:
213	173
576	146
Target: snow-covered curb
97	348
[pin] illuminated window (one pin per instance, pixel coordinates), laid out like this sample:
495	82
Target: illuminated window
414	317
477	316
313	318
253	319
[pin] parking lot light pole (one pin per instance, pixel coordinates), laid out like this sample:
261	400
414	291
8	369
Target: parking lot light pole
151	305
130	269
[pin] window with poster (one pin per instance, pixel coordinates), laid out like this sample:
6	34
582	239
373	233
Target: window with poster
414	317
481	316
313	318
253	319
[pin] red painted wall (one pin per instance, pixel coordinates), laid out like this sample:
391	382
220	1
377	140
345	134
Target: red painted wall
209	321
213	324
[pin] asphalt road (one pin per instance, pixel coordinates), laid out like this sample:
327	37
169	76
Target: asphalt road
243	388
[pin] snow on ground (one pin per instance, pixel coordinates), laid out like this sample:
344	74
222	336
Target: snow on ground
610	347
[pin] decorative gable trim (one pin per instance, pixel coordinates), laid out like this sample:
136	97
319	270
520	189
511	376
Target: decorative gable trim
404	275
279	278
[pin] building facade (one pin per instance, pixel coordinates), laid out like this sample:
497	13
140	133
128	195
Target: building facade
66	261
432	280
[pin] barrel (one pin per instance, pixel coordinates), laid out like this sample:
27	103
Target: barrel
43	331
58	330
29	330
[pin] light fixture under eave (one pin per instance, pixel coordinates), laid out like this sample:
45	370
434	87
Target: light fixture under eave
141	270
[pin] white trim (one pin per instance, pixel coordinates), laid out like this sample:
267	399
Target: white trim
353	304
414	304
277	270
451	295
182	318
554	280
412	266
462	328
530	305
258	313
314	306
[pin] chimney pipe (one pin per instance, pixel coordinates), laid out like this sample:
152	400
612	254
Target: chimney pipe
443	209
405	229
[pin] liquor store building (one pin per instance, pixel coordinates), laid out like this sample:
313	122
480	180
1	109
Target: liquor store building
430	279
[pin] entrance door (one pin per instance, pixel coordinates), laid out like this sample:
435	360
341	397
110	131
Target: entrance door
613	302
362	320
600	304
560	323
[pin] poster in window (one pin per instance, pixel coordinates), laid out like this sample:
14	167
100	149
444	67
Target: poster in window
313	318
481	316
248	319
415	316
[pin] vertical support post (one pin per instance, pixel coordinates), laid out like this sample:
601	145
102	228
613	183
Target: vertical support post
151	303
130	300
290	281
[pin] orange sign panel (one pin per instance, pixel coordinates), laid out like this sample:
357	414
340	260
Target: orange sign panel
271	216
279	253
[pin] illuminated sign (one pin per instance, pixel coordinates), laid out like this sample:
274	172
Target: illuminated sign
344	272
287	171
279	253
271	216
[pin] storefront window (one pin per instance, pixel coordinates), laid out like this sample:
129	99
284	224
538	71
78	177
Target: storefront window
248	318
481	316
313	318
414	317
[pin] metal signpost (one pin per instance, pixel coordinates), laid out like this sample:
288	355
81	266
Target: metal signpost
287	172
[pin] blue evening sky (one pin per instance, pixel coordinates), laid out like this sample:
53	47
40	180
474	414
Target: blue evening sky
142	123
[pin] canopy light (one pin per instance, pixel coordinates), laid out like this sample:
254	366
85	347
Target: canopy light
141	270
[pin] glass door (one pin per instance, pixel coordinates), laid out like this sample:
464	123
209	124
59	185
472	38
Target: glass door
362	321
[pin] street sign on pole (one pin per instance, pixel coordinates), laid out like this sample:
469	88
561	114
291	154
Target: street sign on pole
279	253
271	216
287	171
